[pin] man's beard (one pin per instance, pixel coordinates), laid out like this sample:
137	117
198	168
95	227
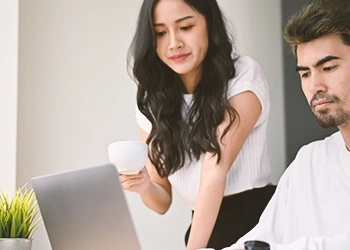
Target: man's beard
327	120
324	118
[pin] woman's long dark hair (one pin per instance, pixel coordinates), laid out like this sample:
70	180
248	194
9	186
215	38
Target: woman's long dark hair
160	91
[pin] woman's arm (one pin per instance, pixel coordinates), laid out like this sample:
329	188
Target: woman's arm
155	191
213	175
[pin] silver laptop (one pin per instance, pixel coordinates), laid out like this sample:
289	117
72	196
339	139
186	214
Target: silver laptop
85	209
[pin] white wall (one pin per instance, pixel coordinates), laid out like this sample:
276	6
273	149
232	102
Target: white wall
75	96
8	93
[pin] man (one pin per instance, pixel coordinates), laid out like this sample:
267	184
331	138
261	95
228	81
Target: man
311	207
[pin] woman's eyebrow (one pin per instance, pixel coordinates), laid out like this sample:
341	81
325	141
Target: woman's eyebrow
183	18
176	21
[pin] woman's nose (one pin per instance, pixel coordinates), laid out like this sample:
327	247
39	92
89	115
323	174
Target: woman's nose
175	41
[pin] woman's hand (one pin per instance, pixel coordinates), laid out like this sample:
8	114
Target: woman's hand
137	183
155	191
153	194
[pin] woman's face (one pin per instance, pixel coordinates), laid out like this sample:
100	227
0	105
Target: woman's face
182	39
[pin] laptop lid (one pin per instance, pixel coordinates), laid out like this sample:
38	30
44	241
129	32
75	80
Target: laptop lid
85	209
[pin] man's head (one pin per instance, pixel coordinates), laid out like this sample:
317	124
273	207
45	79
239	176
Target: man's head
320	38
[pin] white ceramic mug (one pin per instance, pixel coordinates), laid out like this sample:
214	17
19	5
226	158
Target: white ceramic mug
129	157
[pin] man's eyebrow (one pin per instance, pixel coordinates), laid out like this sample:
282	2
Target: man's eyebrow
300	68
326	59
176	21
319	63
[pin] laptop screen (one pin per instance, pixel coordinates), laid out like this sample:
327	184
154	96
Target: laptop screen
85	209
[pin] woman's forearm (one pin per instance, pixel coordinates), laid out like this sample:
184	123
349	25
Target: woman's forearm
156	198
207	207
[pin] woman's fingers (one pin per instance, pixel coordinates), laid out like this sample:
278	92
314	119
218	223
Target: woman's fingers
132	185
136	183
132	182
129	177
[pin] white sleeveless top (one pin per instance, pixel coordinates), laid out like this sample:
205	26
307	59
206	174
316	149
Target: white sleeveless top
251	168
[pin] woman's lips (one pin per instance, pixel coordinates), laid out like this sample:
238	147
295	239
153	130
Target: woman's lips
179	57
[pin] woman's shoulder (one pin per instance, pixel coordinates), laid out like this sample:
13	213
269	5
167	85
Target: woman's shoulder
246	63
247	70
249	77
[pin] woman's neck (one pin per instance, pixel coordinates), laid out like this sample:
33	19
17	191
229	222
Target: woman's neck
190	81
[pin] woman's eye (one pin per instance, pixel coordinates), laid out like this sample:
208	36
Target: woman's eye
160	33
186	27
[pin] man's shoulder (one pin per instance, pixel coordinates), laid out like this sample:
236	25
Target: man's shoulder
330	142
316	152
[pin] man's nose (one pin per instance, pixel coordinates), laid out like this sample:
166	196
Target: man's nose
317	84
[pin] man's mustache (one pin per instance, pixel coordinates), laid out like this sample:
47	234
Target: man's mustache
325	97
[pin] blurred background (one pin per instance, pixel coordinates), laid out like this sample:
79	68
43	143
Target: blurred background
65	93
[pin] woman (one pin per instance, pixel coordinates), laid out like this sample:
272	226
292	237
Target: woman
203	111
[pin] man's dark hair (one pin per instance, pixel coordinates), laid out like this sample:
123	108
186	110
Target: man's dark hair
319	18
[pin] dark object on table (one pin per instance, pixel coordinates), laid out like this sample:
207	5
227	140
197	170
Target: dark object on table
256	245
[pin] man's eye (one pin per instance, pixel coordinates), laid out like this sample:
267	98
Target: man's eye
329	68
304	75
